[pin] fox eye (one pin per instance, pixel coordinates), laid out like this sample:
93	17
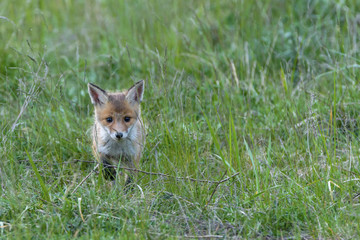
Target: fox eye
127	119
109	119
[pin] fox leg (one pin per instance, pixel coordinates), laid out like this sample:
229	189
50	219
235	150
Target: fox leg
108	169
129	175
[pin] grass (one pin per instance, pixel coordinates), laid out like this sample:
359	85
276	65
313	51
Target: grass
266	89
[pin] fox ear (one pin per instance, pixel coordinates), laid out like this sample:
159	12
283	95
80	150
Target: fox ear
136	92
97	95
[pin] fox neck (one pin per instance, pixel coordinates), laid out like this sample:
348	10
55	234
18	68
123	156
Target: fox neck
122	148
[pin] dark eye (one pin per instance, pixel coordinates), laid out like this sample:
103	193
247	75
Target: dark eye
127	119
109	119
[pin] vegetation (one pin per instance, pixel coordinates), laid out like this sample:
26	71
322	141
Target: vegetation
266	89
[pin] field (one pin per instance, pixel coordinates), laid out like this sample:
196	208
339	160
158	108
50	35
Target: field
257	102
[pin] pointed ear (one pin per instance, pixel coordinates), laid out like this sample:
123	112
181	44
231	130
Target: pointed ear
135	93
97	95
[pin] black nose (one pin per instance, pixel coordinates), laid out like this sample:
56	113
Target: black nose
119	135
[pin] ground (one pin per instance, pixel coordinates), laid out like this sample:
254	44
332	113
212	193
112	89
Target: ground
256	101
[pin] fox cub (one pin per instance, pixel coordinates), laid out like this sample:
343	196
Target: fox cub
118	131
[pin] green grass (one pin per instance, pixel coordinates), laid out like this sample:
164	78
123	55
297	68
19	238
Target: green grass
266	89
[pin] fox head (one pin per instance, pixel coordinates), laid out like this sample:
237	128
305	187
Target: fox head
117	113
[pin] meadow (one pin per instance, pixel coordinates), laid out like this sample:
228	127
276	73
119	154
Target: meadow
256	101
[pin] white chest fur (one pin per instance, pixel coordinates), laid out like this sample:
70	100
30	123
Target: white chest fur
124	147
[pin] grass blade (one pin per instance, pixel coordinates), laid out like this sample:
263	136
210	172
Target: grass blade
38	176
254	166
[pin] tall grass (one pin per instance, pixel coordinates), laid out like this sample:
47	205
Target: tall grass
265	89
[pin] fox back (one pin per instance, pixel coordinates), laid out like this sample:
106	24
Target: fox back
118	132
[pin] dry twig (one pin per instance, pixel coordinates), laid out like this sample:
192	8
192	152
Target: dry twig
92	171
178	178
161	174
204	236
218	183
